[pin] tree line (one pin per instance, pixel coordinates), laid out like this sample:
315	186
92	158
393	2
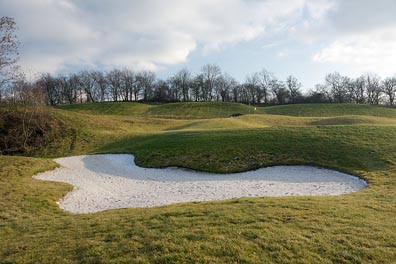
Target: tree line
210	84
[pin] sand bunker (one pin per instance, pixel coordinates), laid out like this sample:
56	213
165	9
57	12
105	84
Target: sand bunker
103	182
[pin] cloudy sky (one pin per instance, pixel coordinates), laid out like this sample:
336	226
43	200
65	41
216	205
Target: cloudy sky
306	38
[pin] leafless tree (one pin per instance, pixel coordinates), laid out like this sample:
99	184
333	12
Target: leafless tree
337	86
50	85
210	74
252	88
280	91
161	91
265	78
373	88
129	82
294	86
25	123
389	86
197	84
182	81
359	90
114	79
146	81
87	82
226	84
236	92
101	85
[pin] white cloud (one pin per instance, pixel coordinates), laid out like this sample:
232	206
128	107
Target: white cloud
369	51
142	34
318	9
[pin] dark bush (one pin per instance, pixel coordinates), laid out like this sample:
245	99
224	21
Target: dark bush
25	129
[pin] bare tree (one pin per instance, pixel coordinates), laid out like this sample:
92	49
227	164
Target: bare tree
128	79
181	81
50	85
114	79
337	87
252	88
236	92
359	90
101	85
210	73
25	124
280	92
265	78
146	81
197	84
161	91
373	88
225	85
8	52
294	86
389	87
87	82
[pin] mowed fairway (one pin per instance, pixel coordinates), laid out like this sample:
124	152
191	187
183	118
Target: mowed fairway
353	228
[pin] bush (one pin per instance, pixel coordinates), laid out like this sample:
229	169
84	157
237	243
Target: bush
24	129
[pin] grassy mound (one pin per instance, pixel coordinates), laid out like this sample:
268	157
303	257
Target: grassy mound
193	110
108	108
186	110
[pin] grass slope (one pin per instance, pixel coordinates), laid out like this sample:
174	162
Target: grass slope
188	110
323	110
354	228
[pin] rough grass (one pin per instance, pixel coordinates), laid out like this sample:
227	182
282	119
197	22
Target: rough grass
354	228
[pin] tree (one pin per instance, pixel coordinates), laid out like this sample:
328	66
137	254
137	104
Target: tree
294	86
182	81
101	85
252	88
210	73
8	52
389	87
337	86
197	84
320	94
87	82
146	81
25	124
128	78
161	91
50	86
280	91
225	85
265	78
114	79
359	90
68	89
373	88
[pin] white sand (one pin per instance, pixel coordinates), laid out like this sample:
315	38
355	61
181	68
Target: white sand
103	182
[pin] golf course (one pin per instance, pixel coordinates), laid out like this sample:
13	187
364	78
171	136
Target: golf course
212	137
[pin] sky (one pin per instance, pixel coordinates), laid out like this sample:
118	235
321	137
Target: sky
305	38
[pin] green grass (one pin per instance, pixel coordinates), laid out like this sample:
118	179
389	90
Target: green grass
353	228
192	110
323	110
188	110
108	108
